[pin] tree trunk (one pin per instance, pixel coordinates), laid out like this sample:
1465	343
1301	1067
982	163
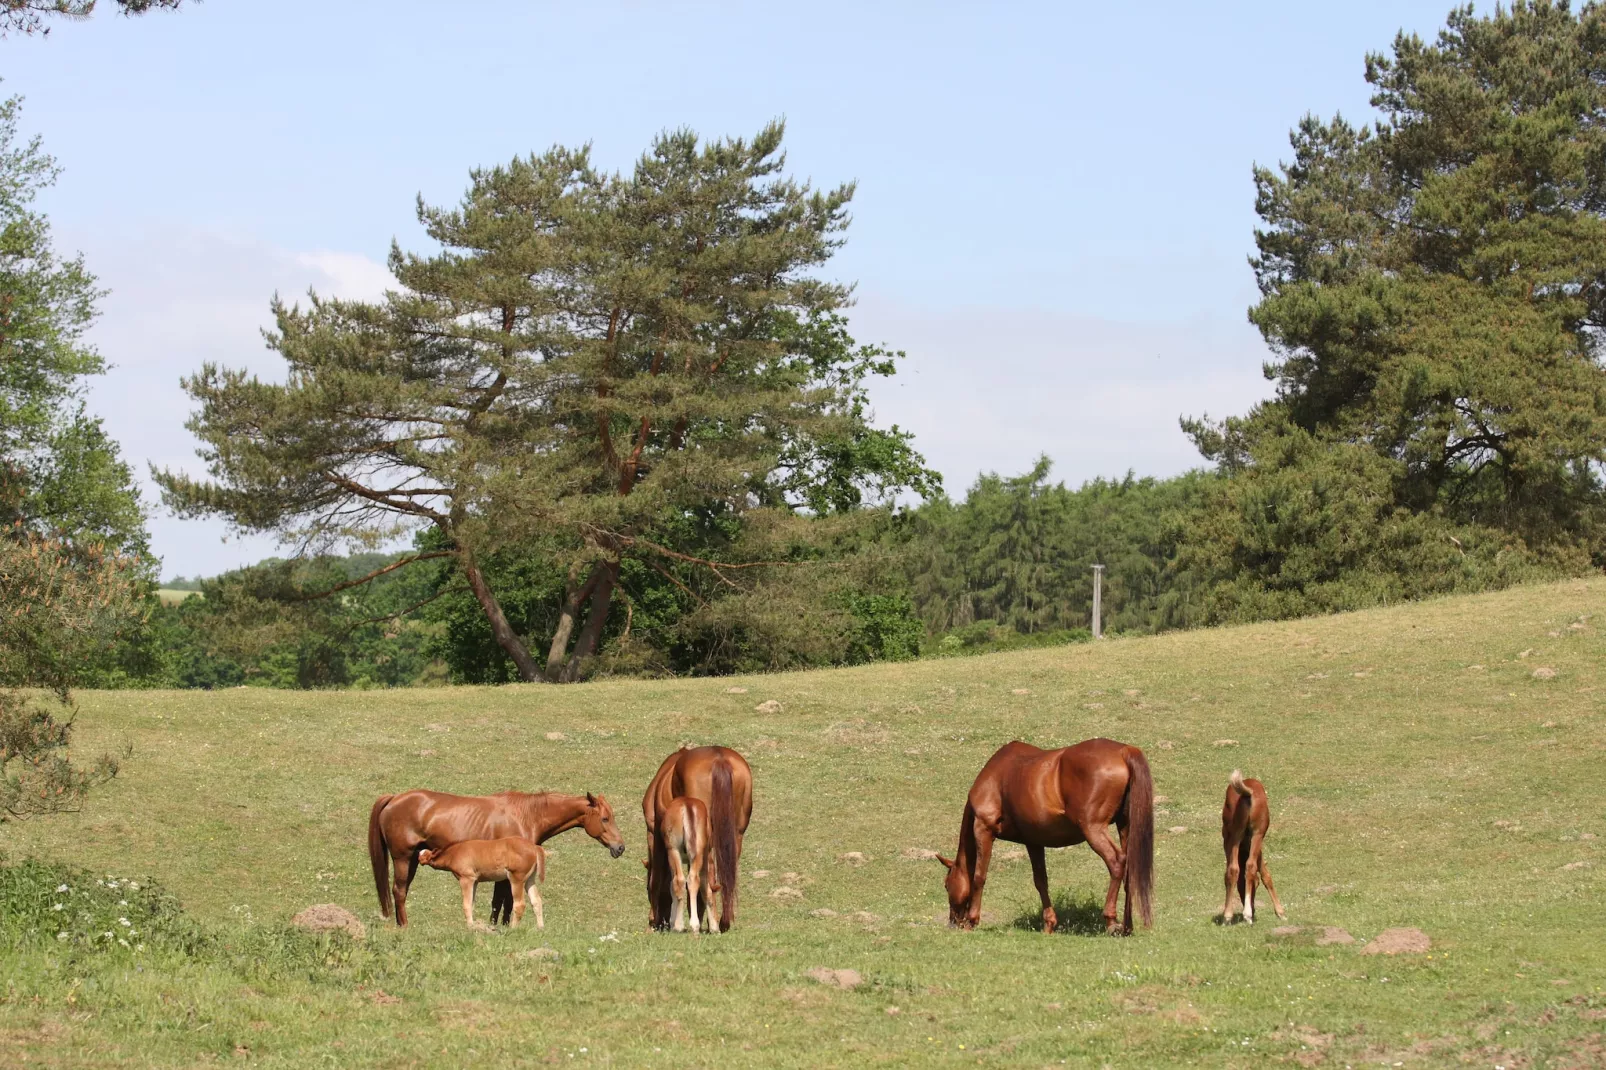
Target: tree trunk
575	595
506	638
604	576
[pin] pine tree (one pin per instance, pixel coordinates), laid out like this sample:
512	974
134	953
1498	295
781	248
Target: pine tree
589	360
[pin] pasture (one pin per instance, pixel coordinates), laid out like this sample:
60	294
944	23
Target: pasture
1421	772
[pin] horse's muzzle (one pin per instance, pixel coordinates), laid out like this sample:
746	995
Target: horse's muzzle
616	850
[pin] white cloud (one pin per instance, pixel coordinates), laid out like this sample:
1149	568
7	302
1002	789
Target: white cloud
179	299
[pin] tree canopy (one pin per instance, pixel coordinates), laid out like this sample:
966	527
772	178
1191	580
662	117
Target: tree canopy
599	366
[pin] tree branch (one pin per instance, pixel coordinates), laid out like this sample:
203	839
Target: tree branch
378	572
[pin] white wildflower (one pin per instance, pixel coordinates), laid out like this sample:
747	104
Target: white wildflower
61	936
120	940
62	888
58	906
124	922
133	885
122	902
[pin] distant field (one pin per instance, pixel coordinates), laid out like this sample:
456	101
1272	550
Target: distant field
1421	774
172	597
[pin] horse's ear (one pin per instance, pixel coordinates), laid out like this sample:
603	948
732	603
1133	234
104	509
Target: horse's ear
591	800
645	864
947	863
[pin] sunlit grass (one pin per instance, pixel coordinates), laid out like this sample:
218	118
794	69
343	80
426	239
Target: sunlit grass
1420	774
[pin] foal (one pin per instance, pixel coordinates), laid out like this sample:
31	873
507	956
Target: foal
478	861
685	838
1244	821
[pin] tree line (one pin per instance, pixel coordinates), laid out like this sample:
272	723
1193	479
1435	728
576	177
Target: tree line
622	421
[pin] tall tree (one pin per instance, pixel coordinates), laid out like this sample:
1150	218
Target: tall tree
60	474
1434	286
589	360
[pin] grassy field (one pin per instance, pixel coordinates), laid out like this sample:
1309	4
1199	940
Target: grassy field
1421	774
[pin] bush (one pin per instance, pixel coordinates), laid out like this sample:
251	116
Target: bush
58	905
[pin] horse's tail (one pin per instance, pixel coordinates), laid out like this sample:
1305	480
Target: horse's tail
1236	783
379	854
723	819
1140	833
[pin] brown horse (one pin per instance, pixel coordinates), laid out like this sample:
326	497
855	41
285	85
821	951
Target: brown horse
399	826
684	836
1245	819
722	780
474	862
1056	798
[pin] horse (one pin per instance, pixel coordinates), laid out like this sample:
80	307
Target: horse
1056	798
400	825
1245	817
722	780
510	859
683	837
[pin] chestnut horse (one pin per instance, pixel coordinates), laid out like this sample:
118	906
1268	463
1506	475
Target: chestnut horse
722	780
1056	798
1245	819
399	826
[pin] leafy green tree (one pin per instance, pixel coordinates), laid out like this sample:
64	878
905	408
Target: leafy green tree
60	475
593	364
1434	289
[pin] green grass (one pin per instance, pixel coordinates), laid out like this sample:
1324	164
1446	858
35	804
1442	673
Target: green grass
171	596
1419	775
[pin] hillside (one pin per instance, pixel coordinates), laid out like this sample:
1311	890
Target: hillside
1422	773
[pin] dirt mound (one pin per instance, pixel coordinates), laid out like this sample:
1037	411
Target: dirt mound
854	858
1332	934
768	706
845	979
919	854
328	917
1398	942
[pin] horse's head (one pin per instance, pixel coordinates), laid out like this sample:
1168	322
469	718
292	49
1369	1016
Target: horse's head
599	824
958	884
426	857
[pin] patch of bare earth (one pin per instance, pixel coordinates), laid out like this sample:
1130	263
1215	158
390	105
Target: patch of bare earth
1404	941
1313	1044
1154	1002
843	979
1332	934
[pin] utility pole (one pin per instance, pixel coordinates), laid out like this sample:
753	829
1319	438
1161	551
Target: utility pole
1098	601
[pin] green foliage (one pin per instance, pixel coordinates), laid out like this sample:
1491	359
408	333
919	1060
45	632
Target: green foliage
29	16
73	911
590	360
885	628
1432	290
1018	552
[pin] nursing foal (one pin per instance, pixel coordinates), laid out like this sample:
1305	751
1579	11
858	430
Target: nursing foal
475	862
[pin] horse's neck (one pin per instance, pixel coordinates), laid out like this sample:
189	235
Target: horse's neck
549	813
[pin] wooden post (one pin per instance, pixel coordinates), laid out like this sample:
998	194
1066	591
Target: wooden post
1098	601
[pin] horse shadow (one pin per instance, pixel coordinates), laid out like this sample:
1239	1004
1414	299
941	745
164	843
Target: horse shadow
1080	915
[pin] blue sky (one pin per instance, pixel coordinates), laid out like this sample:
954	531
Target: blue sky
1053	212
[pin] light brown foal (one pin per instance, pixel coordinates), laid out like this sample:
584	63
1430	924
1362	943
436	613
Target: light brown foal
475	862
685	837
1245	817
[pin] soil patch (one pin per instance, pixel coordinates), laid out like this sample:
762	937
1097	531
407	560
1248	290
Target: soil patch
1398	942
328	917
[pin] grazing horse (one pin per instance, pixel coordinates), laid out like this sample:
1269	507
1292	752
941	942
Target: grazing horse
722	780
473	862
1245	817
683	837
1056	798
399	826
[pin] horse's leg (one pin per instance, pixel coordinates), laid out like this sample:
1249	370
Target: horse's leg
533	894
1099	839
1229	878
694	891
467	884
1265	876
978	879
501	902
1040	878
404	866
1252	875
677	885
